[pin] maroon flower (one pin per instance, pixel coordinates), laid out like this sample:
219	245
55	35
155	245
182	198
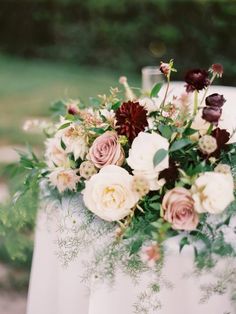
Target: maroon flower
215	100
212	114
217	69
196	79
222	137
170	174
131	119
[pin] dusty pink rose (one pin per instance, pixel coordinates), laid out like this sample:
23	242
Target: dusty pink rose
178	207
106	150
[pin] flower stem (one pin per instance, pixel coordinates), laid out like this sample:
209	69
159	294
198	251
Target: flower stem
195	108
206	90
166	93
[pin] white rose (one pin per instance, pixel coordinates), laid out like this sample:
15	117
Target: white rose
141	155
212	192
150	104
64	179
55	155
109	193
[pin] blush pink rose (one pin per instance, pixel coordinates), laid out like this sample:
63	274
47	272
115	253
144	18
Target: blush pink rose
106	150
178	207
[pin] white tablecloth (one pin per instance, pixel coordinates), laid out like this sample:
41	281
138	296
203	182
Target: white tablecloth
55	289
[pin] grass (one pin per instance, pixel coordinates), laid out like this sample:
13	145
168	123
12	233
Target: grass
28	87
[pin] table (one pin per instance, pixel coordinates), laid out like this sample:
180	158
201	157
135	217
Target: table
55	289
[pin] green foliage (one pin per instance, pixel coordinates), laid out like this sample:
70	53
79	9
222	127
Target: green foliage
155	90
159	156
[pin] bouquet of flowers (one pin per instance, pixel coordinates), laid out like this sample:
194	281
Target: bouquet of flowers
151	166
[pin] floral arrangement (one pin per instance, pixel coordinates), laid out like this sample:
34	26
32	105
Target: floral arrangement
151	166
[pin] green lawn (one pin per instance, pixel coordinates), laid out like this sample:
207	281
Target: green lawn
27	88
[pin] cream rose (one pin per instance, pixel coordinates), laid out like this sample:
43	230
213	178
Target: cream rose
212	192
141	155
106	150
109	193
178	207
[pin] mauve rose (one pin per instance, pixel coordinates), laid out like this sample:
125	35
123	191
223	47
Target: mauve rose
178	207
212	114
106	150
215	100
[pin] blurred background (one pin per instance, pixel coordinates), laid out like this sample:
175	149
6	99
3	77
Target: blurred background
57	49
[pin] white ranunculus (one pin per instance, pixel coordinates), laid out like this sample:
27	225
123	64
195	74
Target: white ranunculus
109	193
55	155
212	192
141	155
150	104
64	179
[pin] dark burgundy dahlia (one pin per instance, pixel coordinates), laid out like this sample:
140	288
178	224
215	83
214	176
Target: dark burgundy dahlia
131	118
215	100
196	79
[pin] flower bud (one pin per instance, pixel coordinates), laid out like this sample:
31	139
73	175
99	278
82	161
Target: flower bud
87	169
140	185
215	100
165	68
217	69
207	144
223	168
212	114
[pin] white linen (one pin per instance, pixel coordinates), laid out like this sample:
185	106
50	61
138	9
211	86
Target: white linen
55	289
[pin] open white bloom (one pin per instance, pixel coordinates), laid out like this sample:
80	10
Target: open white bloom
64	179
141	155
109	193
55	155
75	140
150	104
212	192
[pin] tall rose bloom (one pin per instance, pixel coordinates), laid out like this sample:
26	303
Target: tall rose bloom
106	150
178	207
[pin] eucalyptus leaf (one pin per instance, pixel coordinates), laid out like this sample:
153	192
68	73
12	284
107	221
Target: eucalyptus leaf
159	156
180	144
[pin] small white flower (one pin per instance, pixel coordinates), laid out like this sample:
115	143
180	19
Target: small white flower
55	155
141	155
64	179
212	192
109	193
75	140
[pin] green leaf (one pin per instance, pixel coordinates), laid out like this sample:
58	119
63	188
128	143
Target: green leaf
159	156
155	90
180	144
65	125
165	131
116	105
135	246
98	130
184	241
63	145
